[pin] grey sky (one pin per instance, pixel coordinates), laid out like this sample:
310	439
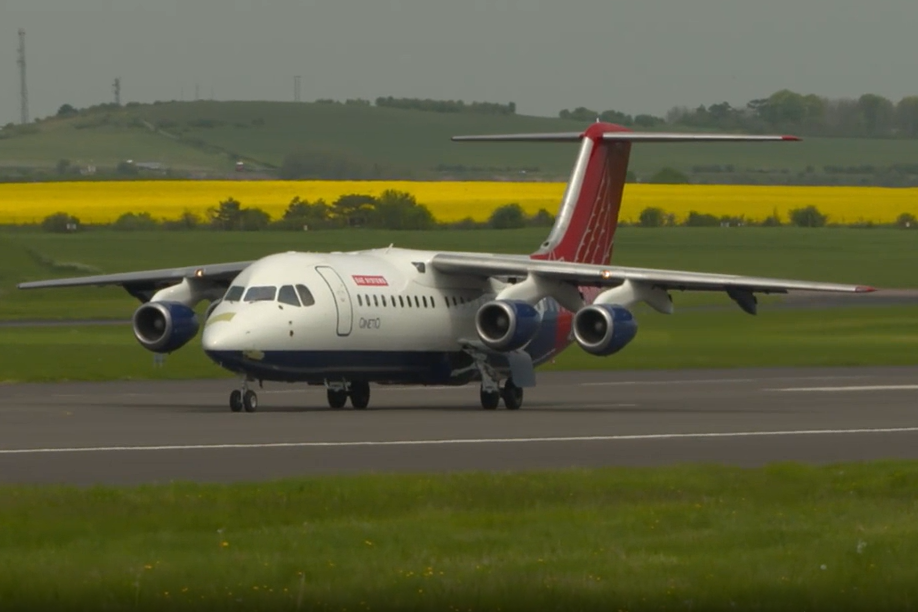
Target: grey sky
639	55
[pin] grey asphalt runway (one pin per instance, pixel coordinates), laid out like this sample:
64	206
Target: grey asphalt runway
85	433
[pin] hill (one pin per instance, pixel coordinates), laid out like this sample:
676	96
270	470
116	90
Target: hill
207	138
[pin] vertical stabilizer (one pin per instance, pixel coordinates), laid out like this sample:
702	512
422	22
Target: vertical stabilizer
584	229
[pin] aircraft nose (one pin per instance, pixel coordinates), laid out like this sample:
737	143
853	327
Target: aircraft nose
223	336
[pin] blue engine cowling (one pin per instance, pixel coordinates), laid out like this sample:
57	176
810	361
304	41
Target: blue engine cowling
604	329
163	327
507	325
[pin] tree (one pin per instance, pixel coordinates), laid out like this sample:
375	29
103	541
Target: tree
669	176
230	215
878	115
808	217
66	110
907	116
697	219
398	210
353	209
907	221
60	222
510	216
652	217
135	221
188	220
302	214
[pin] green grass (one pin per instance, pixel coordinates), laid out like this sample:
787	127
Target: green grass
413	143
883	258
700	339
784	537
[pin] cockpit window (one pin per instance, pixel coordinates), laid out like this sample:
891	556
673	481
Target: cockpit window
305	295
260	294
234	294
287	295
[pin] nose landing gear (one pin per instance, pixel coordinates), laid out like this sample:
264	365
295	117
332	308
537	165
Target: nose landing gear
243	399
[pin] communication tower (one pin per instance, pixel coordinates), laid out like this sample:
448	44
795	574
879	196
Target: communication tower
23	92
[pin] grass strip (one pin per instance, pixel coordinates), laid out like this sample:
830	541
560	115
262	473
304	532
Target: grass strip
698	339
787	536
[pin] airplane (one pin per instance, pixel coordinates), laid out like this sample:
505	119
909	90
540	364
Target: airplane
344	320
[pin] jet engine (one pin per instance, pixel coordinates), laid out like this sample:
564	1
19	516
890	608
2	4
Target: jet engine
507	325
604	329
163	327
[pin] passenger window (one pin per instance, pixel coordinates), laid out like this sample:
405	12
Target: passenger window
359	300
375	301
433	303
424	299
305	295
417	302
234	294
383	298
287	295
260	294
401	301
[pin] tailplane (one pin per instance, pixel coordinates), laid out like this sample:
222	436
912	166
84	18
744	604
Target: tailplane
584	229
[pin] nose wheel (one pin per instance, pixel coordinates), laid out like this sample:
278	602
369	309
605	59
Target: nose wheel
243	399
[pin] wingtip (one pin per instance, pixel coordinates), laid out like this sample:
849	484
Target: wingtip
864	289
791	138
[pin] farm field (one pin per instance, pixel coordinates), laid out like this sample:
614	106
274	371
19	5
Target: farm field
104	202
207	136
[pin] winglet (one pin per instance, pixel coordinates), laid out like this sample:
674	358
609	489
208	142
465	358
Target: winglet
864	289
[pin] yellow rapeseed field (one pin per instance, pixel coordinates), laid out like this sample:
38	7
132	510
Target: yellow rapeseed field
101	202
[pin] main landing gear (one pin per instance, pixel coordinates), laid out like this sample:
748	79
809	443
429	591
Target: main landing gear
357	391
243	399
491	395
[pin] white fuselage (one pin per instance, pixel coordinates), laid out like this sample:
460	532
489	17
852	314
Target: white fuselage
383	315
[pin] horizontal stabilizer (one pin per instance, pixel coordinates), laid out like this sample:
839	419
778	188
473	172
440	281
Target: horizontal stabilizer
626	136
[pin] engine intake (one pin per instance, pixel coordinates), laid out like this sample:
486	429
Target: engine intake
507	325
163	327
604	329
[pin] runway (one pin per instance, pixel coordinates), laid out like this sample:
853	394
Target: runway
139	432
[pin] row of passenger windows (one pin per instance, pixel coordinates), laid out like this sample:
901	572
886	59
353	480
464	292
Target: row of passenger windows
291	295
401	301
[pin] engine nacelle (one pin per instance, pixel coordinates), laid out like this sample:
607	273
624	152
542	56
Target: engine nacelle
163	327
604	329
507	325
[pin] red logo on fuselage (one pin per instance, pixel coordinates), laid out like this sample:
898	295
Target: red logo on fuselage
371	281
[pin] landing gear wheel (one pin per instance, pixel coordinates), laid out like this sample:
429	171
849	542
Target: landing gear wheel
360	395
236	401
512	396
337	398
490	399
250	401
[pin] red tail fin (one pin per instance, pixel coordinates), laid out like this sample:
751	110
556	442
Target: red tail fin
585	227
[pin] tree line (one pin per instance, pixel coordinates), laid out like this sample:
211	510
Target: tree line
396	210
870	115
391	210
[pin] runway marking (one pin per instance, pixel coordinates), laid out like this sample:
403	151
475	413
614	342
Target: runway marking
861	388
460	441
705	381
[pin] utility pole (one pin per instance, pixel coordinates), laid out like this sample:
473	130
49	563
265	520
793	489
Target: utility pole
296	88
23	92
116	88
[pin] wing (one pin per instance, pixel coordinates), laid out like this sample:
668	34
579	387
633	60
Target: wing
143	285
740	288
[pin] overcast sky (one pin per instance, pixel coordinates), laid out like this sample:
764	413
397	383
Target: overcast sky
545	55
